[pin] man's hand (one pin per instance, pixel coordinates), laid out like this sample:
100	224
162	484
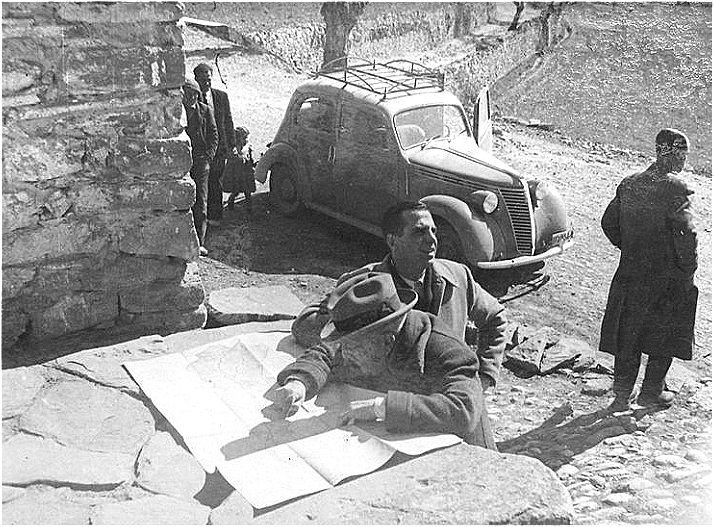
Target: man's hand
368	410
290	396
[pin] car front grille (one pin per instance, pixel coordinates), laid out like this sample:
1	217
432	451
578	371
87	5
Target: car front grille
515	199
519	211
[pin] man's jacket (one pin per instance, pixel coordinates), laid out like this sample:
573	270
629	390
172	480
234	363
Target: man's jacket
201	129
452	295
224	122
429	375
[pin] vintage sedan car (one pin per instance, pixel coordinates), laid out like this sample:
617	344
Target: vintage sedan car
360	137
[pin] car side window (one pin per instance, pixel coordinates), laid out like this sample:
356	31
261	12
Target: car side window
316	113
365	128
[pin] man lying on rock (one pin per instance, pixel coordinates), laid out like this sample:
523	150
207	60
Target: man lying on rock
375	340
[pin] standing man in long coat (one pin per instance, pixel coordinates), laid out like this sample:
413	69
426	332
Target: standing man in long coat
219	104
652	302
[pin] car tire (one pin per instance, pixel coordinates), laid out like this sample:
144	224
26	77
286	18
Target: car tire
449	245
284	194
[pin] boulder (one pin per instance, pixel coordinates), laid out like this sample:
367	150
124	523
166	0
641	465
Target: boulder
162	296
458	485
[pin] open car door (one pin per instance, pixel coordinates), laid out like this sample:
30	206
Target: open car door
483	128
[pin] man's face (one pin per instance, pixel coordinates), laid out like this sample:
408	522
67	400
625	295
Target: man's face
203	78
189	97
672	159
678	159
416	246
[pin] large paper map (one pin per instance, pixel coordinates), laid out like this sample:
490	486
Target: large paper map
218	397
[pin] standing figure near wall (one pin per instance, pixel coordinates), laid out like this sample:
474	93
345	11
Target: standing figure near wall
201	129
217	101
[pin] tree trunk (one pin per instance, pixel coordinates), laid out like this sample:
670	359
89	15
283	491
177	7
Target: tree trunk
517	15
462	19
340	19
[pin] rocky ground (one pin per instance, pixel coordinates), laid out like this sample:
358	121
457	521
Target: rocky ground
633	468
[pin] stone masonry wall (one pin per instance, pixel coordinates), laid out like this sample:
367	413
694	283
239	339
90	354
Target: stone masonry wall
97	227
383	30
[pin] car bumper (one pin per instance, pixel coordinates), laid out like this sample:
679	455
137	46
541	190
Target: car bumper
565	242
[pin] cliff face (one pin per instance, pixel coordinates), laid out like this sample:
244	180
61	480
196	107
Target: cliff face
97	228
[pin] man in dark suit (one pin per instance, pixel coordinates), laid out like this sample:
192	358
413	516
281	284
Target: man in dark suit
201	129
217	101
652	302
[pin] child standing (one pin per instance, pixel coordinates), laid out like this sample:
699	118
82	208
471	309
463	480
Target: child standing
240	170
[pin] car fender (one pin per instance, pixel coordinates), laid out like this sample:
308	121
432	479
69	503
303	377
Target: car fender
475	234
279	152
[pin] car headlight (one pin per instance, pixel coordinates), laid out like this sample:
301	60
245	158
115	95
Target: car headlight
538	190
485	200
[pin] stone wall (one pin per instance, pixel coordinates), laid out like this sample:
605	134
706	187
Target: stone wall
97	227
384	30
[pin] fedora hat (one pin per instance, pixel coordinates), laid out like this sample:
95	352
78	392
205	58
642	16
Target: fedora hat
365	303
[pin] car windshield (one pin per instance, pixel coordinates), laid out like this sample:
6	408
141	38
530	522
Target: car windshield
418	125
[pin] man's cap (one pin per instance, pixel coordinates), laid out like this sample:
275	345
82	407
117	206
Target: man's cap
242	131
202	67
191	85
672	137
366	302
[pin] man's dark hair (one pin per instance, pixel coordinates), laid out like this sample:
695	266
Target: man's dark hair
202	67
672	137
392	220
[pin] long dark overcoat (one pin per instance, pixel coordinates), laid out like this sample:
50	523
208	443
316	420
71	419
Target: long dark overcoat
653	299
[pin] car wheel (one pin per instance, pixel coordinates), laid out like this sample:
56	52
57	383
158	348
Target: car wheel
449	244
283	190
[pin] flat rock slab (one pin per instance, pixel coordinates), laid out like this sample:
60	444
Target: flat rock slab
458	485
19	388
237	305
104	365
166	468
155	510
46	507
30	459
81	414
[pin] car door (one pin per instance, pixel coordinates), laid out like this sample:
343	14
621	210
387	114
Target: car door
482	125
314	136
367	163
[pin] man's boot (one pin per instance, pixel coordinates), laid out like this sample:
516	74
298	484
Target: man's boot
626	369
654	392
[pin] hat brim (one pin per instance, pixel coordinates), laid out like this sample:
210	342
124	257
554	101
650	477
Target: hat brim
330	333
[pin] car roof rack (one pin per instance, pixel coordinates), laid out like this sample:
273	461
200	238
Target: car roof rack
394	77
